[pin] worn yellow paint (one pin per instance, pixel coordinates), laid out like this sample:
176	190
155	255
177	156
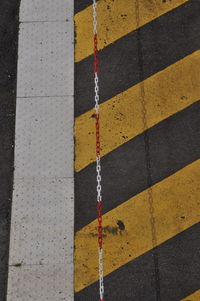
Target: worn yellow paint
116	18
176	207
165	93
193	297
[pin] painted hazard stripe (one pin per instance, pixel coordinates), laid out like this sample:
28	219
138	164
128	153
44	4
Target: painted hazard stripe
128	227
80	5
174	143
193	297
178	273
172	38
116	20
166	93
150	170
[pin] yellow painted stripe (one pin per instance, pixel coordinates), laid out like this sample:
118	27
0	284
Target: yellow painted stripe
176	208
193	297
116	18
165	93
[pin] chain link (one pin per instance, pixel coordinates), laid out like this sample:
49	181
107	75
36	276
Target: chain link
96	90
95	16
101	285
98	161
98	169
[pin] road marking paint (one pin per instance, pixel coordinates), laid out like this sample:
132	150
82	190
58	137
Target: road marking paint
127	228
116	19
193	297
42	221
165	93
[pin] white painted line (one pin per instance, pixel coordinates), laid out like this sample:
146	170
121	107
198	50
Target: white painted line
49	235
46	10
44	138
41	240
45	61
40	283
41	243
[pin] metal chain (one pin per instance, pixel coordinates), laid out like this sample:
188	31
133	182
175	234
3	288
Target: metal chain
98	160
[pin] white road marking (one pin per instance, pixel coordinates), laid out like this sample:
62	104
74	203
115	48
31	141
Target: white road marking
41	243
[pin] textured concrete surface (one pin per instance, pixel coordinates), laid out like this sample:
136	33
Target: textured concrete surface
41	239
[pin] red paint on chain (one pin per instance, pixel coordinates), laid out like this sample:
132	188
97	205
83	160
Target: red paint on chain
99	202
97	136
95	54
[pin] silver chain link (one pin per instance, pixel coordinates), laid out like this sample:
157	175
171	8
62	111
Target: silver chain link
95	16
98	162
96	90
98	169
101	284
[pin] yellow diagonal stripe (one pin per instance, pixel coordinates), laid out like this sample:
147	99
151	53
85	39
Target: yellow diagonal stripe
176	208
165	93
193	297
116	18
